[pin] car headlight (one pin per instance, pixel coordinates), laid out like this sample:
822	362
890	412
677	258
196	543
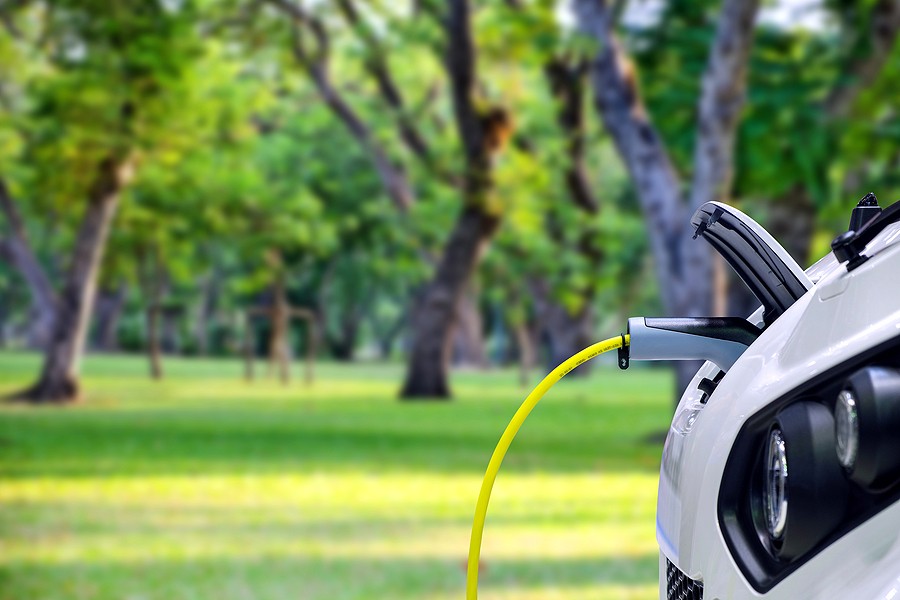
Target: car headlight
867	427
776	502
812	465
805	491
846	428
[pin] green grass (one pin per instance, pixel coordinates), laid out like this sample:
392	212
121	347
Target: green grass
204	486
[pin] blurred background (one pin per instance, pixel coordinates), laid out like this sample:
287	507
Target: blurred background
274	274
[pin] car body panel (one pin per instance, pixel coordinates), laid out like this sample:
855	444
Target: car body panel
842	316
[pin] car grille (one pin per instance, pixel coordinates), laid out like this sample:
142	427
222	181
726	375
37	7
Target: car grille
681	587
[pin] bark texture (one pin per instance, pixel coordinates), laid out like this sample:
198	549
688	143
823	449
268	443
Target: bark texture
58	381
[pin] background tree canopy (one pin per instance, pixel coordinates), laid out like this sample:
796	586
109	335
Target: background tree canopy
449	184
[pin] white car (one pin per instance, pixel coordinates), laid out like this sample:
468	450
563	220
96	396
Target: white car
781	470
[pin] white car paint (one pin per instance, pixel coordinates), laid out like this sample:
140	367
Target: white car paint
841	316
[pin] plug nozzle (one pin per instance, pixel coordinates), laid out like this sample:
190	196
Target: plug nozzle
720	340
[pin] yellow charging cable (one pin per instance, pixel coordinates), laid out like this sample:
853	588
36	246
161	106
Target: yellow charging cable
484	496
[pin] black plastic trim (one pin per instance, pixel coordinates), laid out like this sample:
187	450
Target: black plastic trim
733	329
848	246
755	262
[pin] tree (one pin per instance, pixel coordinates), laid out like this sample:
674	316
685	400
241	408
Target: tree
111	80
483	133
683	267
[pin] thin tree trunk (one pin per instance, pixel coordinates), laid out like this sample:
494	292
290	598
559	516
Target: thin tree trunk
209	291
108	311
153	343
279	352
170	337
791	221
249	346
567	333
343	345
311	337
468	338
526	351
58	381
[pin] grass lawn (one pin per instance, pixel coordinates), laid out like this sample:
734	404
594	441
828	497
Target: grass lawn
204	486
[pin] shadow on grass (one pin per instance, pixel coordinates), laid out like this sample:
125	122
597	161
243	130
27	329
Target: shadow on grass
73	444
278	577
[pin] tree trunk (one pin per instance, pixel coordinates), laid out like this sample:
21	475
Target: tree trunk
566	333
209	291
792	218
153	344
526	351
343	345
482	134
684	267
468	337
170	338
279	351
434	318
249	346
108	312
387	337
58	381
16	250
563	332
4	317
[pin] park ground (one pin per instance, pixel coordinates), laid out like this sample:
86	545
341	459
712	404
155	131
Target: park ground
204	486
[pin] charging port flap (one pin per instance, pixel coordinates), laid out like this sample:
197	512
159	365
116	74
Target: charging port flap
760	261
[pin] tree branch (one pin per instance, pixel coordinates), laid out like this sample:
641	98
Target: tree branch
18	253
884	23
461	69
721	101
621	108
393	178
377	66
567	86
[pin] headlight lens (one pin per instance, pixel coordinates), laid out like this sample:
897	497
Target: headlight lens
846	428
867	427
803	490
776	502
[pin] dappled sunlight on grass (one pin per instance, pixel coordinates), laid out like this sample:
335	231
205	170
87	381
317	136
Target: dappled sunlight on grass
213	488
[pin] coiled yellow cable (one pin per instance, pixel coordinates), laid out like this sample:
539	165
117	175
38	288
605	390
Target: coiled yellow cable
487	484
